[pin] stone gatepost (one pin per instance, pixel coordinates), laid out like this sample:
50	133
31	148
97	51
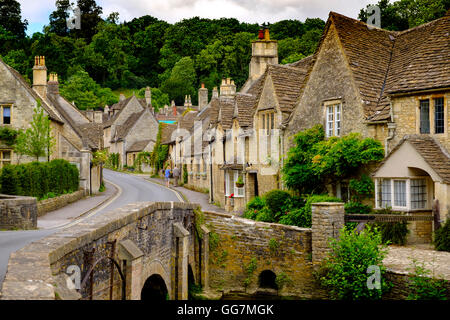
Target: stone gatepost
183	261
327	221
131	253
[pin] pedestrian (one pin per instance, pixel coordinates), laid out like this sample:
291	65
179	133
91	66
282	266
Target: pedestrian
167	176
176	176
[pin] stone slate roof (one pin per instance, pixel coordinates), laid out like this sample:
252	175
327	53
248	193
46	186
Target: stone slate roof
431	151
94	133
166	132
122	130
117	106
385	62
51	113
138	146
226	112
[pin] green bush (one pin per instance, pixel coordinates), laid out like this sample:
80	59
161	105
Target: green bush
9	180
39	179
301	217
185	174
344	271
253	206
393	232
357	207
276	200
423	287
442	237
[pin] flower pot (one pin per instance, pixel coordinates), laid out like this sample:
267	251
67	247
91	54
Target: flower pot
239	185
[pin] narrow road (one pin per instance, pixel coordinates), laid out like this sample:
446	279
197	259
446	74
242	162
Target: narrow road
133	189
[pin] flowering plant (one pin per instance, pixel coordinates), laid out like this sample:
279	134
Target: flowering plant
231	195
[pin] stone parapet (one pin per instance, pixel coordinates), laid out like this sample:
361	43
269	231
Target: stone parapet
52	204
17	212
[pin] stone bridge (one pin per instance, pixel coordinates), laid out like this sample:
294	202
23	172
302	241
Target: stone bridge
156	250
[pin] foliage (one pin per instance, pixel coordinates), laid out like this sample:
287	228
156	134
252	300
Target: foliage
250	268
442	237
314	162
404	14
159	98
11	19
357	208
199	221
185	174
282	279
392	232
36	141
9	181
39	179
160	152
99	157
253	206
344	271
113	161
362	188
142	157
181	80
423	287
276	200
273	245
301	216
8	135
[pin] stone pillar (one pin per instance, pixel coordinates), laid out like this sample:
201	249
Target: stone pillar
205	258
85	169
183	235
327	221
131	253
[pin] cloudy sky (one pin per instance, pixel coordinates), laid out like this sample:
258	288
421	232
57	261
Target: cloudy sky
254	11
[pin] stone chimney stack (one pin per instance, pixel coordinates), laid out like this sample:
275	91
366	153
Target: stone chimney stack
40	76
215	93
53	84
264	52
227	88
121	97
148	96
202	97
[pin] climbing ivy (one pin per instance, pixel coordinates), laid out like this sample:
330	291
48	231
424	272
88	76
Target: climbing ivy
160	152
8	135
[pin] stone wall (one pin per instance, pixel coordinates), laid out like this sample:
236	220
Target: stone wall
284	250
47	205
17	212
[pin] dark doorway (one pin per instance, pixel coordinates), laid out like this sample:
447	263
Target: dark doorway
267	280
154	289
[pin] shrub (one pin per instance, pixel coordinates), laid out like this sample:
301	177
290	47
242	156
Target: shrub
276	200
422	287
344	271
392	232
185	174
253	206
442	237
362	188
9	180
357	207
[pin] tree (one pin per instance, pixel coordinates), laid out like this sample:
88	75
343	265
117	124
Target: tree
90	18
314	162
11	19
181	81
36	141
159	98
58	18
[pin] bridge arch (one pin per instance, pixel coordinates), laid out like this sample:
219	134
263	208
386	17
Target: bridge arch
267	280
156	267
154	289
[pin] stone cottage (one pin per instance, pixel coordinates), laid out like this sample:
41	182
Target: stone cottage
76	135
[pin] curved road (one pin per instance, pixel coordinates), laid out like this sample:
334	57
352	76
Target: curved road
133	189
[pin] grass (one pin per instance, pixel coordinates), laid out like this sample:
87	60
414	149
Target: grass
127	92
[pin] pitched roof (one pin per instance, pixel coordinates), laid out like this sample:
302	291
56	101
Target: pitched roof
166	132
122	130
431	151
139	145
94	133
51	113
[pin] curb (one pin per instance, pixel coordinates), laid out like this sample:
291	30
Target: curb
185	199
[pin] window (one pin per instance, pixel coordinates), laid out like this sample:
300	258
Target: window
6	114
268	122
439	115
333	120
424	116
5	157
418	194
231	176
410	194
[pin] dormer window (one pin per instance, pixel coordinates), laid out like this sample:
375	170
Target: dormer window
333	119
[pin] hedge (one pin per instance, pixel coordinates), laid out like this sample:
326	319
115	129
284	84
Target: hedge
36	179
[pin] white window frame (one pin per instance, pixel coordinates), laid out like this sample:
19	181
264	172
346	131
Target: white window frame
238	192
408	206
333	119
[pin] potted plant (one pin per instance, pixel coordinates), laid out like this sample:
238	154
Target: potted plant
231	197
240	182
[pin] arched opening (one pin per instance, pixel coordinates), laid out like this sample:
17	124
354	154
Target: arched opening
267	280
154	289
193	288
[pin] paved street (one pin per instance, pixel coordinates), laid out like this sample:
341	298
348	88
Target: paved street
131	189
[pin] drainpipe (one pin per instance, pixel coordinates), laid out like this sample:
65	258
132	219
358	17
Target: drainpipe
391	128
282	129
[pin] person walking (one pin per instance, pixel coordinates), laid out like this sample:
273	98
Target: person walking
176	176
167	176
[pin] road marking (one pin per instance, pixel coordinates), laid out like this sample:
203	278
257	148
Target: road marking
84	217
176	193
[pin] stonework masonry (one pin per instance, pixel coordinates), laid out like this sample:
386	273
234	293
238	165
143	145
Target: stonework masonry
17	212
47	205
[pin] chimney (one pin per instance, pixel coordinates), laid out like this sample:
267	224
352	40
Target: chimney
98	117
106	109
202	97
90	115
148	96
40	76
53	84
121	97
264	52
227	88
174	111
215	93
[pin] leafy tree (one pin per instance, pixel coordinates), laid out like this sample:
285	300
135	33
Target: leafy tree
36	141
181	81
314	162
159	98
9	181
58	18
287	29
90	18
11	19
18	59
